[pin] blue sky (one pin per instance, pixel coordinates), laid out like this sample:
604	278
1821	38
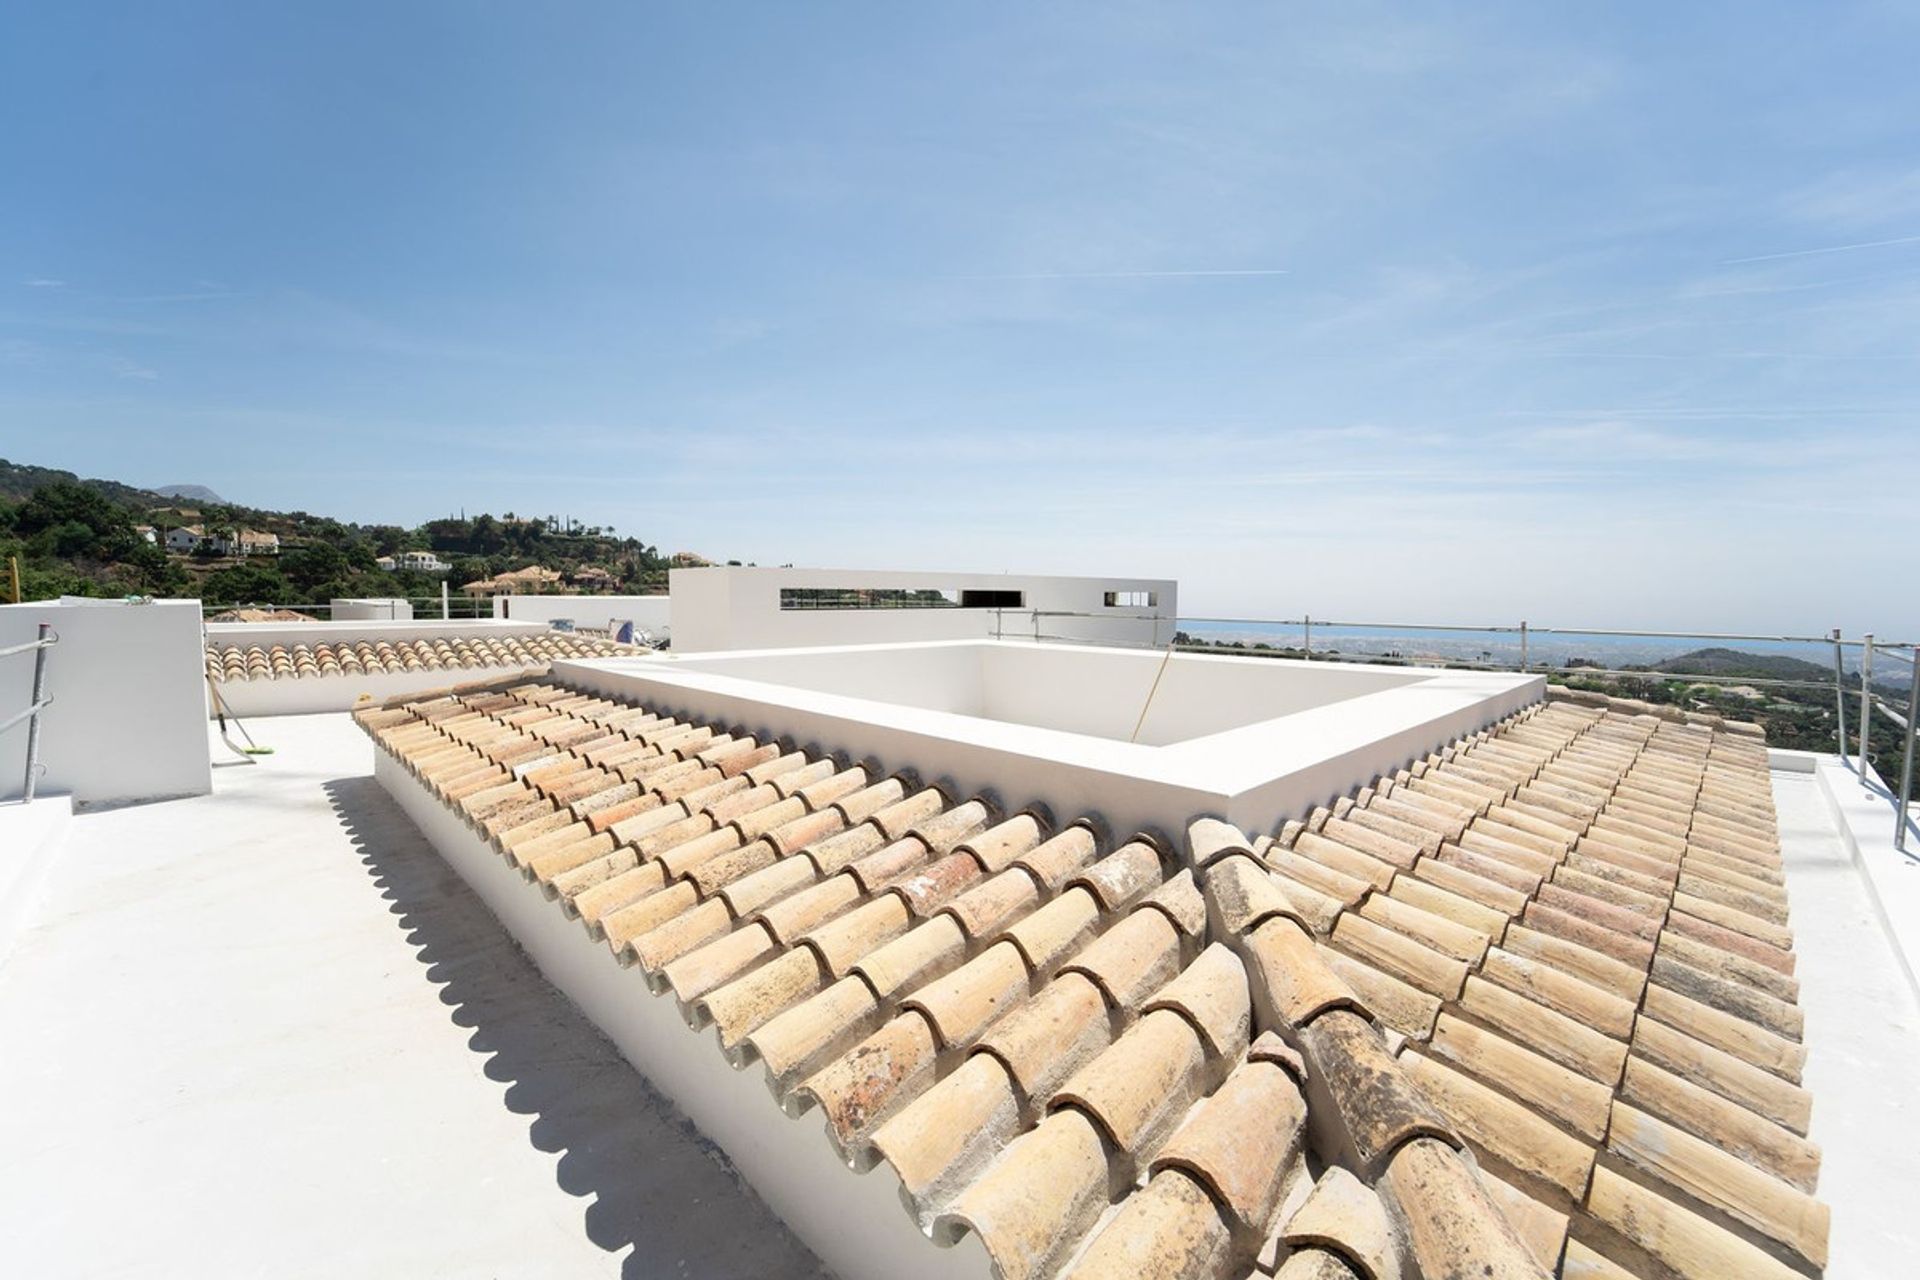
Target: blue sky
1587	314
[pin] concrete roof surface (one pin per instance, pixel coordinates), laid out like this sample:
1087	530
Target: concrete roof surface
268	1031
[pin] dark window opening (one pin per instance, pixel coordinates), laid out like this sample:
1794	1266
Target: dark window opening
993	599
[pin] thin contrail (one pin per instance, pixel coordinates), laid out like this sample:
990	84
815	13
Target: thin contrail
1122	275
1833	248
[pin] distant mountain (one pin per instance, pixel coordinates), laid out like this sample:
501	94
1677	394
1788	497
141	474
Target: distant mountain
1736	665
191	492
18	480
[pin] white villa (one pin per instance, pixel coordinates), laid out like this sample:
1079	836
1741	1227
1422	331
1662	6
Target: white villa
422	561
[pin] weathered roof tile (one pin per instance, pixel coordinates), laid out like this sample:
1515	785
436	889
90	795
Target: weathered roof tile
1051	1047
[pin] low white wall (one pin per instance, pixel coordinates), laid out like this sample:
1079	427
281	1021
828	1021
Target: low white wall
1150	697
1863	812
393	610
1253	775
728	607
653	613
128	720
1158	699
857	1223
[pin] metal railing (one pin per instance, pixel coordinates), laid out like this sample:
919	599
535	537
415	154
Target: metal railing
802	599
1027	624
455	607
37	702
1909	722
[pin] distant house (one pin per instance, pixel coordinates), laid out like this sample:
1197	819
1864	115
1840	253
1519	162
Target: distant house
528	581
147	532
186	538
387	562
247	542
593	576
424	561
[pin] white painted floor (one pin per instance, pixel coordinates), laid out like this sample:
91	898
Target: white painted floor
269	1032
1863	1044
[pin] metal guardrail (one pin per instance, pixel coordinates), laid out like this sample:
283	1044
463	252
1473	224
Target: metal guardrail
38	702
460	608
1909	723
1904	651
853	600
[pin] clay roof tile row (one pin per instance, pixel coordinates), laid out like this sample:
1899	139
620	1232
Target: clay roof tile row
299	661
1522	1007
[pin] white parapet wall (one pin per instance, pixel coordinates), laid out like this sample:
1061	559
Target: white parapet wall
370	610
1142	738
651	613
731	608
294	696
129	700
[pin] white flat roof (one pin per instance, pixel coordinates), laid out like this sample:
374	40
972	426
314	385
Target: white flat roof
246	1021
1863	1023
270	1031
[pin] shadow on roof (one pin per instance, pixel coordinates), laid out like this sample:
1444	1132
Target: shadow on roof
652	1180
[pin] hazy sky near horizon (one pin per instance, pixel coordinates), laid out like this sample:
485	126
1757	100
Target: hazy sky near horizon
1594	315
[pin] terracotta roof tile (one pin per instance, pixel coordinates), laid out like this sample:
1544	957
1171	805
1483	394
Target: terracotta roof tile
1557	948
1344	1215
1241	1142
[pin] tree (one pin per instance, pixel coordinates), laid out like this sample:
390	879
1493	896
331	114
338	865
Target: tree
245	584
389	539
72	521
312	566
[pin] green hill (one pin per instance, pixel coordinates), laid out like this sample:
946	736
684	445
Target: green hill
75	536
18	480
1733	664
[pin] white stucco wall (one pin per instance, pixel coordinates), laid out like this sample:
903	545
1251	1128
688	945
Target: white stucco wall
739	608
654	613
384	610
1050	722
128	720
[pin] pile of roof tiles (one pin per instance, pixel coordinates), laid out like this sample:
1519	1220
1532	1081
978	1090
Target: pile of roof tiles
390	657
1102	1057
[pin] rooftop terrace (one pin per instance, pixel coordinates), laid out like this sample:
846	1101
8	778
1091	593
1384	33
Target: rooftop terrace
357	1016
269	1031
1056	960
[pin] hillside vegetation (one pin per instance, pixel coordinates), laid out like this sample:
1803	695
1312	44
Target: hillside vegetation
77	536
1732	664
